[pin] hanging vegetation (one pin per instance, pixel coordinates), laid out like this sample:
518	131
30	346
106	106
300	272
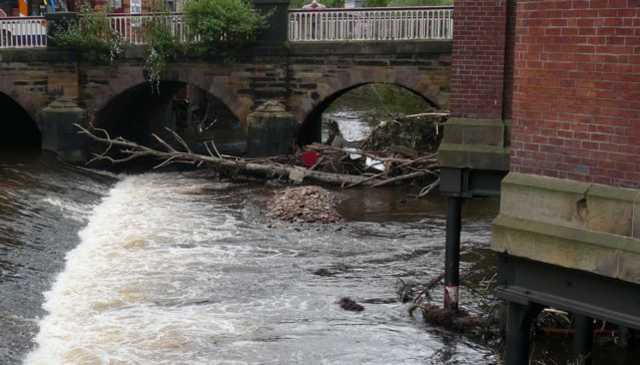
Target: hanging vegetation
162	47
91	35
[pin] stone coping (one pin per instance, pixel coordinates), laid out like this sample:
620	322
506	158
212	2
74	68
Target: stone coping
578	225
476	122
572	186
581	236
478	148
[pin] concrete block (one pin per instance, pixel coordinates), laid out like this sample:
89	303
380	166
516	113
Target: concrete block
572	224
271	130
59	135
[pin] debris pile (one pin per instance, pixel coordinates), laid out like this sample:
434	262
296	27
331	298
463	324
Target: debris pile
416	133
305	204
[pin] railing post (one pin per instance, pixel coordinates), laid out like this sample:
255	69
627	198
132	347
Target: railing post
276	31
58	22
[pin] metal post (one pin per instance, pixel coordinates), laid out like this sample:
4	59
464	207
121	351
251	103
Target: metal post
519	320
583	339
452	254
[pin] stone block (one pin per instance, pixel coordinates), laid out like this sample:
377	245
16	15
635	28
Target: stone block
59	135
474	143
584	205
271	130
477	157
467	131
572	224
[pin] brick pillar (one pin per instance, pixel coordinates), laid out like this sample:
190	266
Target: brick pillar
475	136
478	58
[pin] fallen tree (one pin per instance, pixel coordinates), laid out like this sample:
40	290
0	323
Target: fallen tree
266	168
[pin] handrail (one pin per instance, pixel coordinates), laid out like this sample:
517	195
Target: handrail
23	32
305	25
380	8
371	24
130	26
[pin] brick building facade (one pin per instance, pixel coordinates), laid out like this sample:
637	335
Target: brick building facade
576	100
562	77
563	74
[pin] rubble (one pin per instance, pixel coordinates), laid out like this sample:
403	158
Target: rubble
305	204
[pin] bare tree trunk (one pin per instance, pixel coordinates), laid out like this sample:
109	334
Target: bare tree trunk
171	155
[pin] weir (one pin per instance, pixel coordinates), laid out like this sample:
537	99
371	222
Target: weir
557	140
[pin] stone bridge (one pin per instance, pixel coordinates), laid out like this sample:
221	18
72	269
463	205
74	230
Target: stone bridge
56	90
301	62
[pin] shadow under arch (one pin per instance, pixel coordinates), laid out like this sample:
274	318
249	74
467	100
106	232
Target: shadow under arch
310	130
195	114
18	129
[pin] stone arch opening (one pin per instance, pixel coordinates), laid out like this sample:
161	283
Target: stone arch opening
195	114
19	130
314	127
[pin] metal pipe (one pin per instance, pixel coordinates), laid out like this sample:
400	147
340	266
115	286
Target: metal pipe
452	254
518	326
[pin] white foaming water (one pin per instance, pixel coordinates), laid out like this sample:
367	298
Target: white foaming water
352	125
139	281
71	210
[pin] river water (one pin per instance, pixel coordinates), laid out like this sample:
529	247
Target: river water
176	268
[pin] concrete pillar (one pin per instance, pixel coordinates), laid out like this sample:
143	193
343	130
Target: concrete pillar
519	320
59	135
583	339
271	130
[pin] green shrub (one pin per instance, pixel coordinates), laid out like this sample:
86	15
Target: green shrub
91	35
222	25
162	47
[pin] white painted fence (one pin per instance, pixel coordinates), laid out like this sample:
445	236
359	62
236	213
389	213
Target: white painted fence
326	25
371	24
23	32
131	26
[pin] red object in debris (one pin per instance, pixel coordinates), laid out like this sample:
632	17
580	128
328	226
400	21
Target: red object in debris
310	158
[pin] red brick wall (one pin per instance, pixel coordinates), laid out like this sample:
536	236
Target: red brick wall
576	101
478	58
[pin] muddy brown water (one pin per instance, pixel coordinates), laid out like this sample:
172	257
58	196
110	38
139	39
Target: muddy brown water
174	268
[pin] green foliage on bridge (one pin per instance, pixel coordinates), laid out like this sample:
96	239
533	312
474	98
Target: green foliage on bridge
220	25
91	35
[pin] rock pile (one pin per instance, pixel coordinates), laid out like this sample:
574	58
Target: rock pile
306	204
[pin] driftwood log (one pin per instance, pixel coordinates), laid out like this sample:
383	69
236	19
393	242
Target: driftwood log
265	168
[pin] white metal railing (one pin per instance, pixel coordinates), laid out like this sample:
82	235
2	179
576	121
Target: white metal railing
131	26
328	25
371	24
23	32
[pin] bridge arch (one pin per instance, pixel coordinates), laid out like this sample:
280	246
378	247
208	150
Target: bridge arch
18	128
140	111
127	77
311	120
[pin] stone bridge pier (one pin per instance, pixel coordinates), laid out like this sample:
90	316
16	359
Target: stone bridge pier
277	93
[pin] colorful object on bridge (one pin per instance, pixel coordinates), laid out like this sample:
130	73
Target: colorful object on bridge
314	5
51	5
23	7
310	158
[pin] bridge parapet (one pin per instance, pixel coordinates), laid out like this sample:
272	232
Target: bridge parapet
327	25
